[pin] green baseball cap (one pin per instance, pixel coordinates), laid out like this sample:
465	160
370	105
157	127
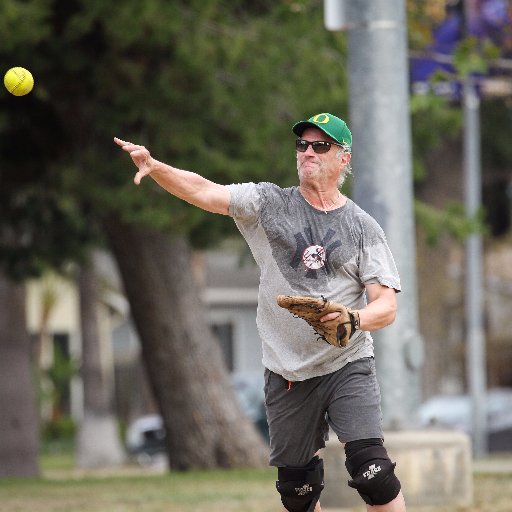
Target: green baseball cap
329	124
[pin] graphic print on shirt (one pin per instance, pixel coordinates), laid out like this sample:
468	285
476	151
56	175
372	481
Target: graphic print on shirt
310	248
312	254
308	254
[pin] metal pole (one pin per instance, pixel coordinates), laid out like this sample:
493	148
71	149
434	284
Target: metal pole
379	118
475	348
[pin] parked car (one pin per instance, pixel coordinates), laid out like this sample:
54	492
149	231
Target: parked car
454	411
249	390
145	437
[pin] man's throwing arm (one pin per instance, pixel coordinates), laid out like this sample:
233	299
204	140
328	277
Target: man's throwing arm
186	185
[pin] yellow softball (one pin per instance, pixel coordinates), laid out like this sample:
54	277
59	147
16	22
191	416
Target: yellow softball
19	81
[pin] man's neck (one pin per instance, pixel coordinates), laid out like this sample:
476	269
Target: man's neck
325	200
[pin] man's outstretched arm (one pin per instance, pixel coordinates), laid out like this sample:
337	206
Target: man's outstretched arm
186	185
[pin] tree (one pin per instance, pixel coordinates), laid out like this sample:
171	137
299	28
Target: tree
136	70
206	427
33	220
18	421
98	442
195	57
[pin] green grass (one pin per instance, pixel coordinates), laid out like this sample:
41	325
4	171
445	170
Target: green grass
173	492
62	488
58	461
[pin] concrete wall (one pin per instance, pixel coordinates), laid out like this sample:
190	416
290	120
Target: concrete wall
434	468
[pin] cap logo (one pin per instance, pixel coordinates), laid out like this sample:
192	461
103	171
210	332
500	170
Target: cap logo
321	119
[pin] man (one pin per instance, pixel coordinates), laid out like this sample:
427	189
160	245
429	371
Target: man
311	240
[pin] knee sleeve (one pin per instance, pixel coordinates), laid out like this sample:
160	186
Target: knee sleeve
372	472
300	487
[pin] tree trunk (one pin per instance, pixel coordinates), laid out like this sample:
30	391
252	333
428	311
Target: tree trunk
205	425
19	424
98	442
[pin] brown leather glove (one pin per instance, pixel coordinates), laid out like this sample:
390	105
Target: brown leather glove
336	332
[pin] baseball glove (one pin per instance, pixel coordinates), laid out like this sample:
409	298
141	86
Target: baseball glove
336	332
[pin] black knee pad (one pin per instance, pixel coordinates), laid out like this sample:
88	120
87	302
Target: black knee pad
300	487
372	472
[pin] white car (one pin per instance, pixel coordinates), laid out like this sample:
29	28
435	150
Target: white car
454	411
145	439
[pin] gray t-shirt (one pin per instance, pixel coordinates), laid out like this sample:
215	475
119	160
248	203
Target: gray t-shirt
304	251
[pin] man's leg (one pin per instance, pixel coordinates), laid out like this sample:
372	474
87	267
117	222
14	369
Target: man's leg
356	415
300	487
396	505
373	475
297	430
317	508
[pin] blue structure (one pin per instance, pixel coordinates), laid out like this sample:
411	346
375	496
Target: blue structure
489	20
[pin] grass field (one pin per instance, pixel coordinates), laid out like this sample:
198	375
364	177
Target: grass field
64	489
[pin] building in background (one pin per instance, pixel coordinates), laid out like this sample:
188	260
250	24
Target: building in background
230	289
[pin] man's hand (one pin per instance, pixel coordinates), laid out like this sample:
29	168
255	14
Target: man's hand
330	316
333	322
140	156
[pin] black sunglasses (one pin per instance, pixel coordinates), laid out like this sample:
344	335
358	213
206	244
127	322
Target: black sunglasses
319	146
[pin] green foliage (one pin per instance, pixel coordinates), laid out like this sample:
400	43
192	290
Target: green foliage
471	56
422	17
54	385
22	24
41	226
58	432
206	85
61	371
434	121
451	220
437	121
496	118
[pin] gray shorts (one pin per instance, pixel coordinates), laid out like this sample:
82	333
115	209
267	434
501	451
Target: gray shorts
299	413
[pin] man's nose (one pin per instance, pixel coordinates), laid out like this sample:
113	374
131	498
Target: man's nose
310	150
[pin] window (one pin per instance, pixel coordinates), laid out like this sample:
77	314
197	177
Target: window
224	334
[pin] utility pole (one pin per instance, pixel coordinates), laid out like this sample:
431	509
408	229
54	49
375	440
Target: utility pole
379	120
475	344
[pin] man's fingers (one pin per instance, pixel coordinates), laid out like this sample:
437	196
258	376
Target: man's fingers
138	177
130	147
143	171
122	143
330	316
139	155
